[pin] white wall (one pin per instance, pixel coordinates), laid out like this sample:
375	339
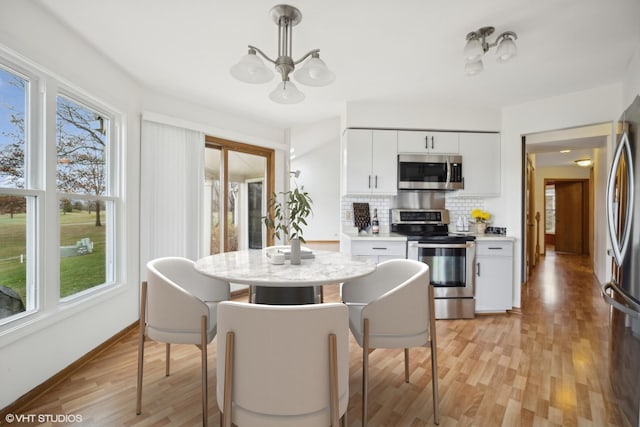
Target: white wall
565	172
34	351
631	82
601	263
317	151
362	114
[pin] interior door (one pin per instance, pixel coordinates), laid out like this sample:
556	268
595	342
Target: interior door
569	218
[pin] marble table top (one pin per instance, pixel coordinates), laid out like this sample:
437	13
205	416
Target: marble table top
252	267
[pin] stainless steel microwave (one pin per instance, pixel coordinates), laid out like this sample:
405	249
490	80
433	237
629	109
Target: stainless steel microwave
430	172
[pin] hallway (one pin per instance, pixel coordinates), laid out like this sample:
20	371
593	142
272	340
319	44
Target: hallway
545	367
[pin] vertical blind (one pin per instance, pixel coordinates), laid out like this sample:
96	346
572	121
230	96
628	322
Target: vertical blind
172	176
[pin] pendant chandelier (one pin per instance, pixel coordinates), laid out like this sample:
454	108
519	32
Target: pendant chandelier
477	45
313	72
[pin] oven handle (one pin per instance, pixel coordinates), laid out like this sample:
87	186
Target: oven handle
441	245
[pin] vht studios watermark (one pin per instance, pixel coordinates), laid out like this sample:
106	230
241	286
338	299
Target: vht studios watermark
42	418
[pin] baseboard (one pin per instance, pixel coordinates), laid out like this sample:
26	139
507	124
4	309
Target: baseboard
516	311
30	396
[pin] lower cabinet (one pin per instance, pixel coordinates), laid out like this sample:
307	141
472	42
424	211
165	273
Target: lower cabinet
494	276
378	250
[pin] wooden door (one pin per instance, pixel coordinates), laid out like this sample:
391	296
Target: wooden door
569	217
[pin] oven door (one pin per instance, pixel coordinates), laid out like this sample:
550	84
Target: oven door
451	267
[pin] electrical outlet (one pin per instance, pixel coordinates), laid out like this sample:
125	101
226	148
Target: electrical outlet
348	215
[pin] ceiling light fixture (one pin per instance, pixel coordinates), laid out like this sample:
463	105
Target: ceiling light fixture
477	46
314	72
565	151
584	162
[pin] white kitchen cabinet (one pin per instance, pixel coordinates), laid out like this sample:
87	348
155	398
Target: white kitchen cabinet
378	250
480	164
426	142
370	162
494	276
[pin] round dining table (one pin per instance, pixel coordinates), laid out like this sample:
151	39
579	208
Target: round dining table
284	283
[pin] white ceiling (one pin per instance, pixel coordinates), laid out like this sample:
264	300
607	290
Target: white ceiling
407	51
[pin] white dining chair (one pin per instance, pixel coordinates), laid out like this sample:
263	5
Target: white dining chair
178	305
283	365
393	308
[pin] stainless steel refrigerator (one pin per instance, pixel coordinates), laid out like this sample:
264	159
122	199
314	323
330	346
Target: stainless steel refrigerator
623	291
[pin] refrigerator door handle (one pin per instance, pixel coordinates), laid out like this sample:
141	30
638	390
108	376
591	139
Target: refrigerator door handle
631	308
619	245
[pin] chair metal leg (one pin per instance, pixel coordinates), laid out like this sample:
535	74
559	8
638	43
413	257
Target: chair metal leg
406	365
142	324
434	357
333	380
228	379
167	359
365	370
205	396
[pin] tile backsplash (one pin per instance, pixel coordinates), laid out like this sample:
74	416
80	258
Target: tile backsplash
457	206
462	206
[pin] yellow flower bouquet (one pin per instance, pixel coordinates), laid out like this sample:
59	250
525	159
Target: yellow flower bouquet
479	215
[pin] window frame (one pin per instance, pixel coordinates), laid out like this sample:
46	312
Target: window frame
43	229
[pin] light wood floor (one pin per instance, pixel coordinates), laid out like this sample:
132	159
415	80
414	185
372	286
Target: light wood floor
547	366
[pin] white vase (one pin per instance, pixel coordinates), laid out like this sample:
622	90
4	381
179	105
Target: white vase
295	251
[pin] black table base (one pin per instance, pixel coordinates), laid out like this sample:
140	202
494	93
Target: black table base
284	295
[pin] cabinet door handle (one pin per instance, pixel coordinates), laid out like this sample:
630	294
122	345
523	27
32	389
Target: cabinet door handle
493	248
426	142
478	269
379	249
432	143
369	181
376	181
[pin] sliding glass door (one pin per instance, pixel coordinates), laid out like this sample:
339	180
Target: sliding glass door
238	178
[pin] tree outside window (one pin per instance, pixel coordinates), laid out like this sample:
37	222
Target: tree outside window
81	175
15	294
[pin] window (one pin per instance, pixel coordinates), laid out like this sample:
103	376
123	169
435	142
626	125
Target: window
81	197
550	209
82	178
16	201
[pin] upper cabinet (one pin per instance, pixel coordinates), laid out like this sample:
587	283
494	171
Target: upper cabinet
426	142
370	160
480	164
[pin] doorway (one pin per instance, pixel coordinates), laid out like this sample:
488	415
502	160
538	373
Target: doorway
552	156
566	213
238	178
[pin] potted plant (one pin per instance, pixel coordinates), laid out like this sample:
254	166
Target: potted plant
286	218
481	219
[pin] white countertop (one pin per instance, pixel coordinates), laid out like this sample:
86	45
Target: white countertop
494	237
373	237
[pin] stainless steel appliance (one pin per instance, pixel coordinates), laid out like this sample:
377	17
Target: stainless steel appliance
623	291
450	256
429	172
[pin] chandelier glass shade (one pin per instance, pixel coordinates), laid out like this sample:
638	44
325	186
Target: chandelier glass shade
477	45
314	72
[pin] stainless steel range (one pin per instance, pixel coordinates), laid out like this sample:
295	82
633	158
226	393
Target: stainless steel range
450	256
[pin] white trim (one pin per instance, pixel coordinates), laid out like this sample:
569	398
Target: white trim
213	131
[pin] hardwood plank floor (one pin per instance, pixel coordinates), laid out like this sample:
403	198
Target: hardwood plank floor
545	367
